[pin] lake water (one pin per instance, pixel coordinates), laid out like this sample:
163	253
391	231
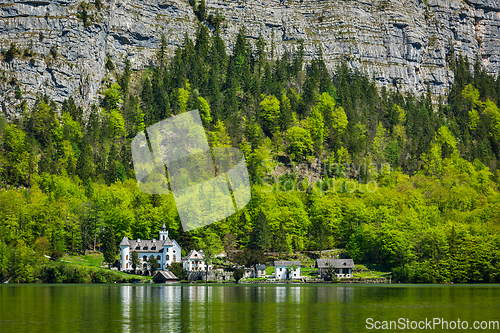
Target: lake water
238	308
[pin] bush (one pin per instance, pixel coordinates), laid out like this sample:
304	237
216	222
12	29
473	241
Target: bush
238	274
55	256
11	53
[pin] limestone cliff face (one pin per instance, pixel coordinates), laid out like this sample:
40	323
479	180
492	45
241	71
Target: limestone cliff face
403	41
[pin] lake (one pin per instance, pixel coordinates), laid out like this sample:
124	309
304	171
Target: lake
238	308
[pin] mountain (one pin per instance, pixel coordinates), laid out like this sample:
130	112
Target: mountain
61	48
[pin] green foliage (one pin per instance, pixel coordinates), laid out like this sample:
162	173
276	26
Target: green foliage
177	270
260	237
109	63
204	109
219	137
109	245
299	143
250	257
153	264
238	274
134	260
66	178
270	111
84	14
11	53
112	97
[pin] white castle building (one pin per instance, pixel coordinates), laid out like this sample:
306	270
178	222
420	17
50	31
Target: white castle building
165	250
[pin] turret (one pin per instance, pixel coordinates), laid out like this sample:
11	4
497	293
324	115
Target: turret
125	253
163	233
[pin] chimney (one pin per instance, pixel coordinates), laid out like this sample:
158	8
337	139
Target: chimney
138	240
154	240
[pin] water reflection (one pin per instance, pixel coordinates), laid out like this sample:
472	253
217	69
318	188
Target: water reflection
234	308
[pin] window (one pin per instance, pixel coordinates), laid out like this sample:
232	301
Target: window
174	251
281	269
163	237
144	266
126	258
126	266
173	258
145	258
167	256
158	258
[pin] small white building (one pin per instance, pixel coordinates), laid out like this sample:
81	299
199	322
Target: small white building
287	270
259	271
165	250
195	261
342	268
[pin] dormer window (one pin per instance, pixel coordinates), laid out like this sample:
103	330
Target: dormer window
145	248
138	247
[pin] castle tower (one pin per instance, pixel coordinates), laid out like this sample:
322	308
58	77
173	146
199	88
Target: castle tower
124	254
163	233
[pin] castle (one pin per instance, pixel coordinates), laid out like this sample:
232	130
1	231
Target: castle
165	250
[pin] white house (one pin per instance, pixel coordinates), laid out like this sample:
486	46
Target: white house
164	249
259	271
287	270
342	268
195	261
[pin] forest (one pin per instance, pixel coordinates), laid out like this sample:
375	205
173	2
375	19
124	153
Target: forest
431	214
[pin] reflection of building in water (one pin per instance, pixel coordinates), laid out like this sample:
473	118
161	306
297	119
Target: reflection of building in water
126	297
196	293
196	308
288	294
288	305
159	302
280	294
332	293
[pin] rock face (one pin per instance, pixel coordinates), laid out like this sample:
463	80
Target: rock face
393	41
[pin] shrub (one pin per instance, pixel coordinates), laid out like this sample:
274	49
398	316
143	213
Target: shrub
11	53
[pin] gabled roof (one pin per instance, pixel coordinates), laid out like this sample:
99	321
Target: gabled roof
167	242
146	245
287	263
124	241
335	263
195	255
167	275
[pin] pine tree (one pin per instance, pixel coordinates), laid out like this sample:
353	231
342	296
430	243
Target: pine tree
109	246
260	237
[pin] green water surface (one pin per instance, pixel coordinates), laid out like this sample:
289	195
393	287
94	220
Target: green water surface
239	308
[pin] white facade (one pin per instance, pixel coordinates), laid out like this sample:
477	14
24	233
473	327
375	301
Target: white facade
165	250
195	261
287	270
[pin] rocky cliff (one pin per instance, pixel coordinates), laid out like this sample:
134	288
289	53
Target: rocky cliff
62	46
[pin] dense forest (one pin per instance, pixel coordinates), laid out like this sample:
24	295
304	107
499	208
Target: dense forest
414	180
